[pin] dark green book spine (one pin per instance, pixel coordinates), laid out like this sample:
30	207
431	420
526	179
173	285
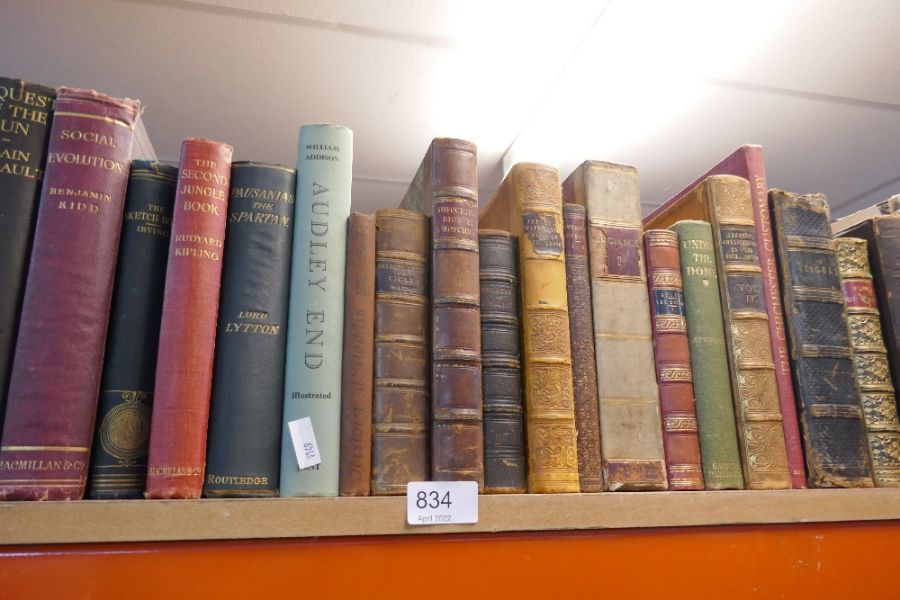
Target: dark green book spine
119	457
719	452
244	440
831	418
25	112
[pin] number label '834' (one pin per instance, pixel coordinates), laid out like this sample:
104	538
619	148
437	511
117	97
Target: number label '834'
432	499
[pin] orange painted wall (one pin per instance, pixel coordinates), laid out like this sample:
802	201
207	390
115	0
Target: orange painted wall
845	560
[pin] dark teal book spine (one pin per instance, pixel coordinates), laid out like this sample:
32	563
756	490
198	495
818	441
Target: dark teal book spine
119	457
25	113
244	440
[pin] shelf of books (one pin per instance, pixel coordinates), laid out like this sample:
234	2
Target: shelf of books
219	363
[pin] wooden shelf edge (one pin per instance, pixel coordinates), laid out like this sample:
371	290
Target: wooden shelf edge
98	521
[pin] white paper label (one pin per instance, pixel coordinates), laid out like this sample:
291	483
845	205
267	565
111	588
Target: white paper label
304	439
441	502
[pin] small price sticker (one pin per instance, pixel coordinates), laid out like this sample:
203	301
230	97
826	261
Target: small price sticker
441	502
304	439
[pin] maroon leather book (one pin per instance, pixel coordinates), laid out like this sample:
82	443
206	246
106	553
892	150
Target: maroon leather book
445	188
584	359
673	361
747	162
187	335
62	332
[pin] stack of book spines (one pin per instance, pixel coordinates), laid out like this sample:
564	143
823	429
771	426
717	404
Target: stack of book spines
514	400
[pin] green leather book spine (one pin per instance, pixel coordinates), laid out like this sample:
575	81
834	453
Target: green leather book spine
315	334
709	359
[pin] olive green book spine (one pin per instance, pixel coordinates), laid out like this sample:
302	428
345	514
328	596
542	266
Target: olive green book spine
719	452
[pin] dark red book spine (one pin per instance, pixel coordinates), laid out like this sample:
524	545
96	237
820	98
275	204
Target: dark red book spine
62	332
188	331
673	361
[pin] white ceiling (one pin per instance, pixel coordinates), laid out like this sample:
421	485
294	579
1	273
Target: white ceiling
670	87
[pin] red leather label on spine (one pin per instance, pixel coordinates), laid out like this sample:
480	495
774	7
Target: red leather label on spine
859	293
188	329
574	225
454	220
56	374
618	251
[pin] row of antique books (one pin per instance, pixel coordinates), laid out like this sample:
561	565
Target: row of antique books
231	329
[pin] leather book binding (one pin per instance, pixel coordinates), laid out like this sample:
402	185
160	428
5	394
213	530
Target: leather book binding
504	426
52	400
830	411
673	361
630	420
445	188
870	361
244	443
719	452
312	385
25	111
402	411
882	234
187	337
725	201
528	205
358	383
747	162
581	333
119	458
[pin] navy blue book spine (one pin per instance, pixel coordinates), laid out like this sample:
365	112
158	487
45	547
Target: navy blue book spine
244	440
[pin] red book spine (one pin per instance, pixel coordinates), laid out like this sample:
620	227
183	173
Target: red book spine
62	333
673	361
188	330
747	162
755	167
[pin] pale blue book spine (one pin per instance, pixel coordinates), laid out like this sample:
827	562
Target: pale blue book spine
315	333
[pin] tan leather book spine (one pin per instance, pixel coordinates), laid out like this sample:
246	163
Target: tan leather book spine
630	420
528	205
584	362
446	189
357	386
401	414
870	361
674	376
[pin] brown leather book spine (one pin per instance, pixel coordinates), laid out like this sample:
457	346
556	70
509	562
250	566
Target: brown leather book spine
457	434
187	338
55	379
584	365
401	412
673	361
504	426
359	355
